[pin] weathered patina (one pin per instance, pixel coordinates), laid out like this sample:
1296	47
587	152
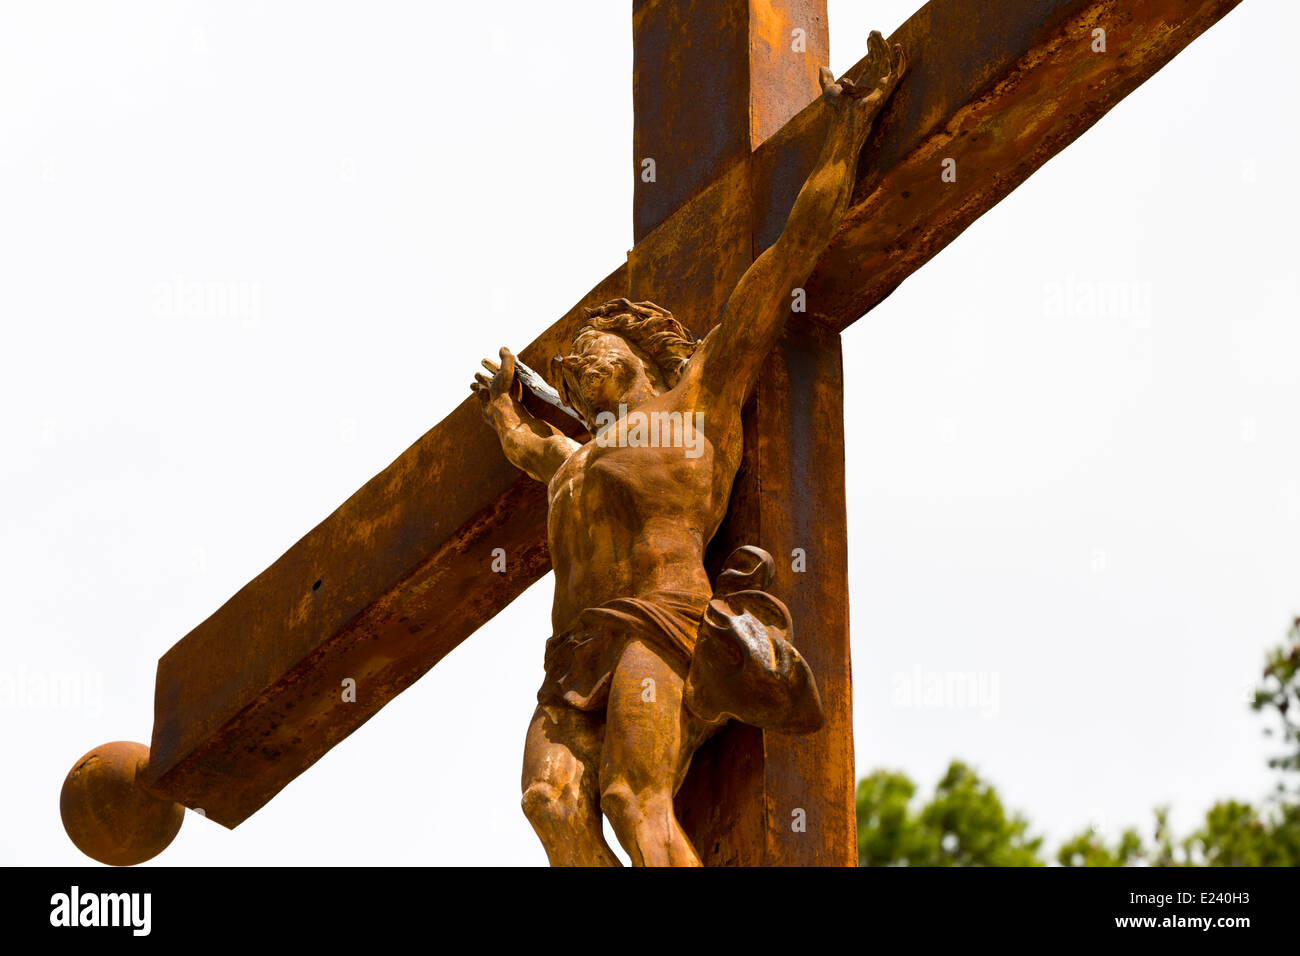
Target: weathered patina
390	582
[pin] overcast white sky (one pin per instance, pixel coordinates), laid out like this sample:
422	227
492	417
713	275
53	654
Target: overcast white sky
1093	509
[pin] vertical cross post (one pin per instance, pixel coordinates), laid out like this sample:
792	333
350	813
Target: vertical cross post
711	80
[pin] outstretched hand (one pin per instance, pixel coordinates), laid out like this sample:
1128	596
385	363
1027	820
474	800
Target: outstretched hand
501	387
864	96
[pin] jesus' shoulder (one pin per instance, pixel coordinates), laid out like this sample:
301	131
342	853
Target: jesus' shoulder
725	367
678	428
703	395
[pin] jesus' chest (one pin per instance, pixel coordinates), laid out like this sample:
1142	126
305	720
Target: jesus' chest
638	466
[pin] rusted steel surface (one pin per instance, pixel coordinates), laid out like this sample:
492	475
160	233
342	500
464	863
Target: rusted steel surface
108	813
998	87
711	79
743	786
774	799
250	698
737	802
690	264
253	696
783	79
796	500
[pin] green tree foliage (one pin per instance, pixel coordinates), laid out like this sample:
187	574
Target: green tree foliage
964	824
1088	849
1234	833
1280	693
1238	834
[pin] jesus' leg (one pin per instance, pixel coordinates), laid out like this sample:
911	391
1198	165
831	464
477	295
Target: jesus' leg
561	797
641	758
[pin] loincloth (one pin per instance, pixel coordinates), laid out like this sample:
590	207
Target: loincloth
580	661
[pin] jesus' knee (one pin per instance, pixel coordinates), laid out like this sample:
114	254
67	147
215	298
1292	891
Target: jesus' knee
621	804
568	825
548	807
645	825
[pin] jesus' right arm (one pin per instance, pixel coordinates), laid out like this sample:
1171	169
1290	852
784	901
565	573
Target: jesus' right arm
530	444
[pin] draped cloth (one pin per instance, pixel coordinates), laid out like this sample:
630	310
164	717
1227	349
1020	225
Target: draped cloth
732	649
580	661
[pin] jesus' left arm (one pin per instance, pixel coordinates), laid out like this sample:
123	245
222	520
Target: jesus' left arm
727	363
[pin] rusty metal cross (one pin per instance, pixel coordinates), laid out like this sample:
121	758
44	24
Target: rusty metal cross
400	573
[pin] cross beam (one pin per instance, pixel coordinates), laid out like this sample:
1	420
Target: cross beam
394	579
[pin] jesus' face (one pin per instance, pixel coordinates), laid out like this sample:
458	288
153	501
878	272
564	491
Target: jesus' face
604	371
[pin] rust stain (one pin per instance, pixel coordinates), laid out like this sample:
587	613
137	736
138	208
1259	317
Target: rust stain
248	700
1043	102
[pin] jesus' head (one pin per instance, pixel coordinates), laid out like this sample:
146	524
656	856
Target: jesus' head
626	353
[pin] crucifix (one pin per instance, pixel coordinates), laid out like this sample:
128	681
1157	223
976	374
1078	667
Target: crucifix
730	121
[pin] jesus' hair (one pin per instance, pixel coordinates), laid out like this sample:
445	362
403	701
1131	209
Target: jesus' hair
661	337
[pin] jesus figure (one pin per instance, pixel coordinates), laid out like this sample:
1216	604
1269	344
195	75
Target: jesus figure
629	521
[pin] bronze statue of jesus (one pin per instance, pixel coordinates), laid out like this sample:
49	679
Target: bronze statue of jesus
632	511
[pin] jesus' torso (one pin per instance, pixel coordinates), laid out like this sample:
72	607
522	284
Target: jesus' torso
632	510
